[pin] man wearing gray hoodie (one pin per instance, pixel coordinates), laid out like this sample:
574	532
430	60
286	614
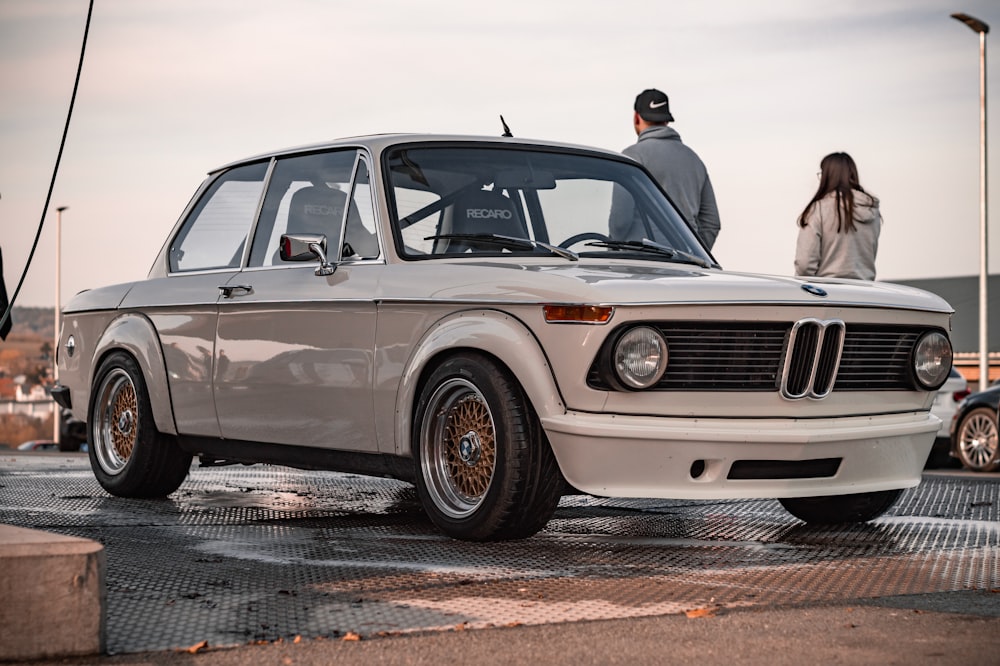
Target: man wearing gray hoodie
677	168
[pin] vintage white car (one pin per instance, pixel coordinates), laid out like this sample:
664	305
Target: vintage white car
498	321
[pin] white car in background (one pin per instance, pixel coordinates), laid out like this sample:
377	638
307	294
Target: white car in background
954	390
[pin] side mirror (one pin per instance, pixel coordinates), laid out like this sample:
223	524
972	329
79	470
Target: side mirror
306	247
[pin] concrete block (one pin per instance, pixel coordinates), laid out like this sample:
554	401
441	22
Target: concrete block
52	595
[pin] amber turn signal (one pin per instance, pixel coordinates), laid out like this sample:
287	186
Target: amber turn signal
577	314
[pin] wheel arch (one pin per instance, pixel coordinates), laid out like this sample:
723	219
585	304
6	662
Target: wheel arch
135	335
499	335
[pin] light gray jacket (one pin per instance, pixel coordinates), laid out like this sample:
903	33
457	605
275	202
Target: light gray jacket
823	252
682	175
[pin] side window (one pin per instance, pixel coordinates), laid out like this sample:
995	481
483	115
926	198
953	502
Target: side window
307	194
214	235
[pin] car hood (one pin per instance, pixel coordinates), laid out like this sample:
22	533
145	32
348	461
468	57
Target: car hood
591	281
624	282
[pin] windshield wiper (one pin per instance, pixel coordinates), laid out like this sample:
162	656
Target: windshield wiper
509	242
646	245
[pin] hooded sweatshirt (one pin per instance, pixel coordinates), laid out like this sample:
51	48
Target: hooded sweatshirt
822	251
682	175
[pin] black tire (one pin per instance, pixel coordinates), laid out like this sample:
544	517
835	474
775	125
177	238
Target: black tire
484	470
976	440
129	456
838	509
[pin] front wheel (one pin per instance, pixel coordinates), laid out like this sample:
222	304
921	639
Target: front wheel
484	469
976	445
129	456
835	509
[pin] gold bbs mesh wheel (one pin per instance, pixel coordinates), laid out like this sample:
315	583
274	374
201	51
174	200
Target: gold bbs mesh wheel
459	459
117	421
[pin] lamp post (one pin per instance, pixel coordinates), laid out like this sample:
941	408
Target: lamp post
984	350
56	415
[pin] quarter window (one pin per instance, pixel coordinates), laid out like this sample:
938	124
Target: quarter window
215	233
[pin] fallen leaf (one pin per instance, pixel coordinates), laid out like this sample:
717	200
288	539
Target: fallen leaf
701	612
197	647
298	638
351	636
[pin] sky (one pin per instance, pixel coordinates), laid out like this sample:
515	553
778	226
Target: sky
172	89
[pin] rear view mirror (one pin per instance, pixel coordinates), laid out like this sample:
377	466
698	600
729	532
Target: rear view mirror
524	179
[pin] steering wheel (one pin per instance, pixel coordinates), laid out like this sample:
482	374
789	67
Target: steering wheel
586	235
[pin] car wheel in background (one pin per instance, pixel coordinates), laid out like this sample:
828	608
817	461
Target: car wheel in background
129	456
484	469
977	440
835	509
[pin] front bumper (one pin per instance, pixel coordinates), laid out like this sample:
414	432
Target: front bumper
644	456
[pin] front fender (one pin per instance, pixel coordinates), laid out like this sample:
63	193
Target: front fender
135	334
496	333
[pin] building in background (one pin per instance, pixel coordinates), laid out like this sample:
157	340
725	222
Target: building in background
963	295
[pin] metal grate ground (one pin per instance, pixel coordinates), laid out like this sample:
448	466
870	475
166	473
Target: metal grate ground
244	554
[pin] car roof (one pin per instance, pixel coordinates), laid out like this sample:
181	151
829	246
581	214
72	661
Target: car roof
376	143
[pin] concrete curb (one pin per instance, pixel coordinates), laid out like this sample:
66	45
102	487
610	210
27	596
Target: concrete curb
52	595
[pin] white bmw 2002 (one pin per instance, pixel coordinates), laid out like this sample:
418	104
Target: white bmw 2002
497	321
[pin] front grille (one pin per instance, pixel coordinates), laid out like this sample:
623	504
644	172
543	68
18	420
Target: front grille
811	361
755	356
876	358
723	357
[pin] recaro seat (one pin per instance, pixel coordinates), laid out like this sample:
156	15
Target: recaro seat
318	209
484	212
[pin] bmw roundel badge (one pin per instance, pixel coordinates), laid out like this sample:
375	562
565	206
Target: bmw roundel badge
814	290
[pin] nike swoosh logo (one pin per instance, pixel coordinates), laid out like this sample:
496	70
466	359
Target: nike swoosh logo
654	105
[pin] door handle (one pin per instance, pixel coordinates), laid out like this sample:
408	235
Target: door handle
229	290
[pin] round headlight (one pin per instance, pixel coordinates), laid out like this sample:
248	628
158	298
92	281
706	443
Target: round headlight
932	360
640	357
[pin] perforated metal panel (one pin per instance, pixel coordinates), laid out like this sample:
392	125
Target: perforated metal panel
243	554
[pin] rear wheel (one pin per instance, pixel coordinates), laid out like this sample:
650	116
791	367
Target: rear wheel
977	440
834	509
484	469
129	456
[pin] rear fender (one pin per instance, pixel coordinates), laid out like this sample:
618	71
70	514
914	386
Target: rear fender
135	334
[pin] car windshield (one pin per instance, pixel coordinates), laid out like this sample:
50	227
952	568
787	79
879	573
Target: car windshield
452	201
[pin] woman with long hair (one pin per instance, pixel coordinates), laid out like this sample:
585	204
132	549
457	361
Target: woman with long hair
839	228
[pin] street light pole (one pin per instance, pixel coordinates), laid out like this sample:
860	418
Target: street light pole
984	364
56	415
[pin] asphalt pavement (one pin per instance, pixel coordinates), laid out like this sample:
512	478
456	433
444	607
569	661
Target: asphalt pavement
271	565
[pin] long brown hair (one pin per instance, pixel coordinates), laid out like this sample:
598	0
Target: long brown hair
839	174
